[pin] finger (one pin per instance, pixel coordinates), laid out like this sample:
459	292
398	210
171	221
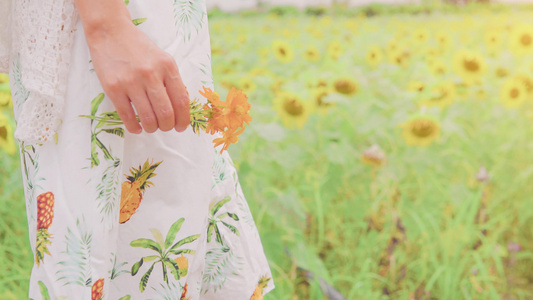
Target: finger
126	113
144	110
179	97
162	107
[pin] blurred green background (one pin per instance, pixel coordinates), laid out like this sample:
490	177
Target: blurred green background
390	152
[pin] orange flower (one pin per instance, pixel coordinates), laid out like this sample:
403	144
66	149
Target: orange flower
229	137
211	96
236	109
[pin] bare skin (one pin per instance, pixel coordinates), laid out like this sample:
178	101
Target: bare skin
133	69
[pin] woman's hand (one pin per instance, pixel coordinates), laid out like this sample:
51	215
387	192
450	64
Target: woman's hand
133	69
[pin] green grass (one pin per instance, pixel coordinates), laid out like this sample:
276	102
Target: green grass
421	224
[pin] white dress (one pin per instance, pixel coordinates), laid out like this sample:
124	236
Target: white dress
114	215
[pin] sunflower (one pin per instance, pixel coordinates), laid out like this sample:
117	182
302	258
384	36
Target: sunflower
416	86
521	40
501	72
420	36
441	95
311	53
470	66
438	67
322	106
293	110
493	40
399	57
527	80
374	55
335	49
282	51
420	131
247	85
345	86
443	40
512	93
7	141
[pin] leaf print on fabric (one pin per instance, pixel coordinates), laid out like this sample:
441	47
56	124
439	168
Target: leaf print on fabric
189	16
21	93
219	169
116	270
171	291
76	269
220	263
207	72
44	291
133	189
213	228
45	216
109	192
165	249
30	162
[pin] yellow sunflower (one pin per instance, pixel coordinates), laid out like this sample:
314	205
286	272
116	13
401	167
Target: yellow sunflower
493	40
335	49
7	141
416	86
526	80
512	93
399	57
443	40
321	105
420	36
293	111
438	67
247	85
345	86
311	53
283	51
420	131
470	66
5	95
442	95
374	55
521	40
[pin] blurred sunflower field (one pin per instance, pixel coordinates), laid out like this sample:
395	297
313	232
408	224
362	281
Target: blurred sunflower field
390	156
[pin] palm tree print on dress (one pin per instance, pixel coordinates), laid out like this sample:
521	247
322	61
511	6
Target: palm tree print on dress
45	216
165	249
108	187
133	189
214	220
30	162
221	261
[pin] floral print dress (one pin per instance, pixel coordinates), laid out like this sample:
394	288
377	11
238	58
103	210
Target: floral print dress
114	215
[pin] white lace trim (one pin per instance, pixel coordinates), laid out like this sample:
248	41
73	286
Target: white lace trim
42	32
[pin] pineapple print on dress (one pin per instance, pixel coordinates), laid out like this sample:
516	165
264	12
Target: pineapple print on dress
45	216
261	284
133	189
97	290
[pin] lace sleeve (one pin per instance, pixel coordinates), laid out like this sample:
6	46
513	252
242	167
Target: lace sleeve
43	32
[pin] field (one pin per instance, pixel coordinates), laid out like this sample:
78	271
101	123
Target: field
389	155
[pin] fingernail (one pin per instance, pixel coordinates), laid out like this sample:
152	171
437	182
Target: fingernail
138	131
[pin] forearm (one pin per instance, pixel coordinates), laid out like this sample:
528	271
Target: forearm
102	17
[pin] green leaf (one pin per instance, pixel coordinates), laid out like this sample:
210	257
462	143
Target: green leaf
135	268
144	279
127	297
186	240
116	131
183	251
44	291
173	266
126	2
231	227
96	102
165	276
138	21
217	206
171	235
158	236
148	244
210	231
150	258
231	215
